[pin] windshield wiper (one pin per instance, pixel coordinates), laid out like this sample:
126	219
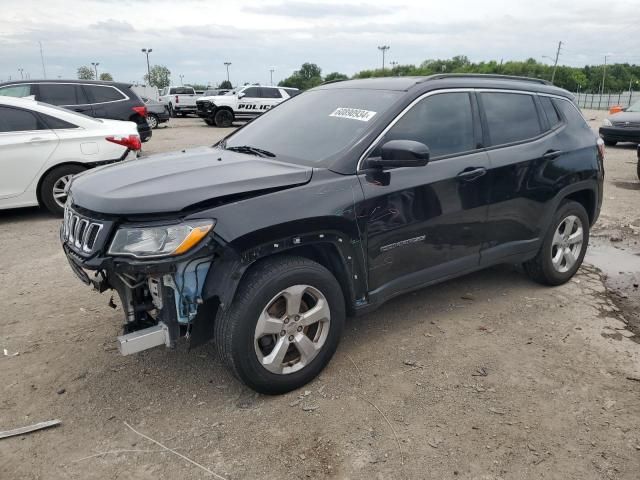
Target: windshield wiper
251	151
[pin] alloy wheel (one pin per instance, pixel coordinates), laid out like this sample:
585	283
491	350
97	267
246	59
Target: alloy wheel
59	193
292	329
567	244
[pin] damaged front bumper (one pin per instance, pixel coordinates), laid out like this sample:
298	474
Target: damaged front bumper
161	298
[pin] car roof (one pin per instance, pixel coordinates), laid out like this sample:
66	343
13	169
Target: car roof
432	82
89	82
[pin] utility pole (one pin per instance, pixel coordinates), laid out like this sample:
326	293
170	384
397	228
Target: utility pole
555	63
44	72
181	77
604	74
271	70
383	49
95	66
147	51
227	64
21	70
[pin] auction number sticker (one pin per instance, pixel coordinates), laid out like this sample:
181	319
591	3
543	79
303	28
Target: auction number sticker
353	114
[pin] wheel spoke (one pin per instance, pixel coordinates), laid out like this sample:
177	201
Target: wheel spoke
273	361
569	258
557	237
576	237
318	313
557	259
59	194
267	325
568	225
293	296
306	348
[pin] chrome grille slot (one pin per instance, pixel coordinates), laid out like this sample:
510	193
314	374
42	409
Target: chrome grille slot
79	232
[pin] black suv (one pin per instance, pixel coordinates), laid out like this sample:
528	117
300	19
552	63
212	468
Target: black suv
113	100
267	240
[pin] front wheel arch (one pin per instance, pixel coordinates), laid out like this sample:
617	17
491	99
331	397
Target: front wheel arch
49	170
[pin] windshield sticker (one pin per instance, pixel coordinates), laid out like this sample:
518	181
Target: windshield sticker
353	114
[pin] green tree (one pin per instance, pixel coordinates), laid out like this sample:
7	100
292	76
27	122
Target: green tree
309	76
106	77
226	84
160	76
85	73
335	76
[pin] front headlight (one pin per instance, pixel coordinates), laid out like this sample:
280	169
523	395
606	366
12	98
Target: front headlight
607	123
160	241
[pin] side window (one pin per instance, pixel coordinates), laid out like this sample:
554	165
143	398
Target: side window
443	122
511	117
571	113
100	94
17	120
292	92
21	90
551	112
55	123
62	94
251	92
270	93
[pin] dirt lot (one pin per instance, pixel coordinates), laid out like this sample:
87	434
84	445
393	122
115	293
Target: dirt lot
489	376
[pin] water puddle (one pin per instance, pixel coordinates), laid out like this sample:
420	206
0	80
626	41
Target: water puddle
621	266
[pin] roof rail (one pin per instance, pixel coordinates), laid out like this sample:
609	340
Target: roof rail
490	75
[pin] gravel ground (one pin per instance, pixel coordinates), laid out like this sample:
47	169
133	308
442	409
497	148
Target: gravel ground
489	376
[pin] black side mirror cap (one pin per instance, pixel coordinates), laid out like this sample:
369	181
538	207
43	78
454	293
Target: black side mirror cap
401	153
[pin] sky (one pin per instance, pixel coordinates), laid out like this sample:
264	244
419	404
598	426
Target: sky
194	38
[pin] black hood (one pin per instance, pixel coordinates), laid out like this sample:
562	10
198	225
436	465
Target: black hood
174	181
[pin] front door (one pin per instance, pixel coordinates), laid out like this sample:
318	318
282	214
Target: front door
249	104
427	223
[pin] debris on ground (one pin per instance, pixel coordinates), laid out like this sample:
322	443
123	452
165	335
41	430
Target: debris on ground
30	428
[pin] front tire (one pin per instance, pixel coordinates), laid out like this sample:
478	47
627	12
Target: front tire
283	326
563	248
223	118
209	122
52	193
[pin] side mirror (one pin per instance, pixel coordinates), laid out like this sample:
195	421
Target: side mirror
401	153
241	94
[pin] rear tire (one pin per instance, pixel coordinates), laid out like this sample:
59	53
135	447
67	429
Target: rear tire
561	255
52	185
153	121
172	112
272	313
223	118
610	143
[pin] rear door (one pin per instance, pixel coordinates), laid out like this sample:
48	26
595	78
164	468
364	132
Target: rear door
270	98
427	223
103	99
68	95
522	145
26	144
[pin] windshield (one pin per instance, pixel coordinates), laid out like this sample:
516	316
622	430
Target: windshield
634	108
312	128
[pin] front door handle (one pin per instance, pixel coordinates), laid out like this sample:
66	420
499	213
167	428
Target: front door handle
470	174
551	154
37	140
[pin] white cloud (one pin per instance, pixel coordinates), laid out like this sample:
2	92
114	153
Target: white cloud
195	37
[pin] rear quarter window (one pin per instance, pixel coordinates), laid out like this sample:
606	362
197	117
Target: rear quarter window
511	117
550	111
571	113
103	94
16	91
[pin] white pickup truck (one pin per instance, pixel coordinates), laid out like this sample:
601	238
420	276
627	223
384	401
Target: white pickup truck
243	104
181	100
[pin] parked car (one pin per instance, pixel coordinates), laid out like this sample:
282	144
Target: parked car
333	203
622	126
42	147
247	103
157	112
111	100
181	100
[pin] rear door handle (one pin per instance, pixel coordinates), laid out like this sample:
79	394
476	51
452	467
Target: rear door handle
551	154
37	140
471	174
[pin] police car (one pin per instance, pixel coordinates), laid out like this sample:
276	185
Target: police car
244	104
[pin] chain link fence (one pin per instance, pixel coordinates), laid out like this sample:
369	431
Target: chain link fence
596	101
